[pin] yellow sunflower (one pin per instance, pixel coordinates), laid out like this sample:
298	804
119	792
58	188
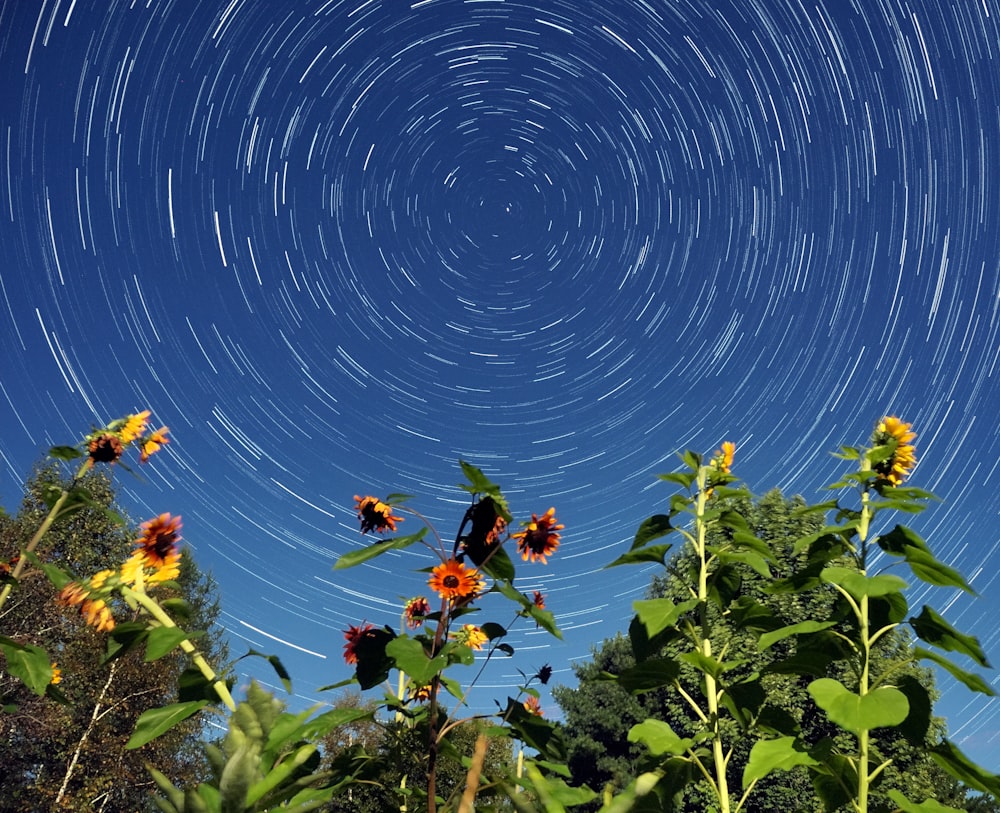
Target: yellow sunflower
897	467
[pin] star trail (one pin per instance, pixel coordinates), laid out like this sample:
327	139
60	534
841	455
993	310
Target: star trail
338	246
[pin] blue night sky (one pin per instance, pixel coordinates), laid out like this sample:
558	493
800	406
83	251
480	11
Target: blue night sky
338	246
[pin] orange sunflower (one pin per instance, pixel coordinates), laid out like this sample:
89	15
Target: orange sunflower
105	448
94	610
158	549
540	538
532	706
900	463
354	635
375	515
152	444
453	581
538	599
723	459
134	426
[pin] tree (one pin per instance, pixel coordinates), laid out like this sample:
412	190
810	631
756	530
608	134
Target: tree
599	713
71	756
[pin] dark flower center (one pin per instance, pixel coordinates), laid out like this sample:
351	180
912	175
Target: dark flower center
451	582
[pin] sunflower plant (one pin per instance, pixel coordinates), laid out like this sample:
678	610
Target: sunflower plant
834	653
435	636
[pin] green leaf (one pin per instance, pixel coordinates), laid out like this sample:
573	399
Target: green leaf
65	452
154	722
396	498
409	655
859	585
781	754
659	738
769	639
745	699
124	637
499	566
162	640
356	557
884	707
928	806
903	541
660	613
493	630
479	483
691	459
654	553
933	629
29	663
649	675
751	559
279	668
949	757
971	680
685	479
545	619
918	720
56	575
652	528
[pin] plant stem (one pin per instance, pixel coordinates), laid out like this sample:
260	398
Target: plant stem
42	530
711	688
160	615
866	643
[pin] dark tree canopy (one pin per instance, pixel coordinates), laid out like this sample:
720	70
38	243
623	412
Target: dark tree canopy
72	757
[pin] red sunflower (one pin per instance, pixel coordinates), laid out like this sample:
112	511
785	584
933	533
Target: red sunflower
375	515
540	538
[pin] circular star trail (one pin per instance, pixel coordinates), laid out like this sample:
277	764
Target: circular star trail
339	246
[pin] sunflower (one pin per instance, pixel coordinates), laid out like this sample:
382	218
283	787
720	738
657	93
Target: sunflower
152	444
134	426
540	538
158	546
723	459
105	448
452	580
354	635
897	467
415	610
375	515
538	599
56	675
472	636
532	706
87	595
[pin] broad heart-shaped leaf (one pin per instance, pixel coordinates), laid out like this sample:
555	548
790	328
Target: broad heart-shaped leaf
65	452
884	707
652	528
479	483
928	806
918	720
28	662
933	629
859	585
949	757
769	639
410	657
356	557
652	553
781	754
499	566
971	680
651	674
659	738
658	614
683	478
154	722
162	640
750	558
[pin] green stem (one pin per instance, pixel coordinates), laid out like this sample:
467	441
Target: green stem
711	688
160	615
866	643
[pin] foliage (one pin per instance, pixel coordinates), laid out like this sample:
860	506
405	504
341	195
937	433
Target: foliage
70	755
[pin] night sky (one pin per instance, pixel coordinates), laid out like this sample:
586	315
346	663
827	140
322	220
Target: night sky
338	246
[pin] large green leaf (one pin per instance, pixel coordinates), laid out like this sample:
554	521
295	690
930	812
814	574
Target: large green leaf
928	806
971	680
154	722
28	662
884	707
658	614
649	675
903	541
499	566
410	656
949	757
859	585
659	738
162	640
769	639
356	557
933	629
653	553
652	528
781	754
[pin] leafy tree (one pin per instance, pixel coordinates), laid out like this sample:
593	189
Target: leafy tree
71	756
599	713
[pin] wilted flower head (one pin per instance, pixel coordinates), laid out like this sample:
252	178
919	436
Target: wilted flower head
544	674
897	467
415	610
540	538
538	600
453	581
375	515
105	448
